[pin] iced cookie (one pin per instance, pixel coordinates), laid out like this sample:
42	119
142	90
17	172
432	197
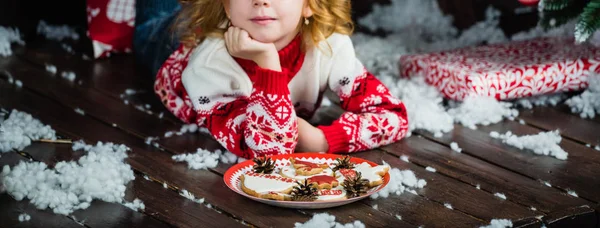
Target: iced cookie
267	186
290	172
304	168
373	174
324	181
337	193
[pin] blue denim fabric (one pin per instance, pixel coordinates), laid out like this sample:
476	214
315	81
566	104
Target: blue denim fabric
154	40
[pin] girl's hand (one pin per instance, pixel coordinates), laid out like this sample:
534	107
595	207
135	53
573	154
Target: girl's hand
241	45
310	139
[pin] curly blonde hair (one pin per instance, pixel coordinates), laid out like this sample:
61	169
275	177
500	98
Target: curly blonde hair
199	19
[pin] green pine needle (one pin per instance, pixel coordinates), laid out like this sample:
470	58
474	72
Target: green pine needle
554	5
589	21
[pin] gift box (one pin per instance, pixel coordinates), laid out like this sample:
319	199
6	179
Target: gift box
509	70
111	26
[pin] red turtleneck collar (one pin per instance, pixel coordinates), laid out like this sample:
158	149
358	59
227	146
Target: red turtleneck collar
291	58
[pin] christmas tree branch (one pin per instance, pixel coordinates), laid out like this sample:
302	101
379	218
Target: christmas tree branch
589	21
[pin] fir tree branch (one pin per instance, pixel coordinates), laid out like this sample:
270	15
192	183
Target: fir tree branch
554	5
589	21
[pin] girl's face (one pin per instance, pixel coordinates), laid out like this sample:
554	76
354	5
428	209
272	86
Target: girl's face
268	21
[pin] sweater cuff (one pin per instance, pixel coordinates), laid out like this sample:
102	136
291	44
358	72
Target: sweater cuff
270	81
336	138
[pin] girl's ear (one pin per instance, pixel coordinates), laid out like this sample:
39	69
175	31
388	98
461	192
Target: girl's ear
226	6
307	11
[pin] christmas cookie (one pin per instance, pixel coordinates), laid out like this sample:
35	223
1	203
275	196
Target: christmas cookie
323	181
267	186
337	193
291	172
304	168
374	174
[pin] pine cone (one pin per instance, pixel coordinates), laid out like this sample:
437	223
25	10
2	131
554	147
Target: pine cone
263	165
343	163
356	186
304	191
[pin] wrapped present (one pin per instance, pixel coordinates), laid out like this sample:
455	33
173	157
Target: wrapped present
507	71
110	26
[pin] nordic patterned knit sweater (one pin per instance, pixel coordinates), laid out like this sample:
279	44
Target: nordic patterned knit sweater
252	111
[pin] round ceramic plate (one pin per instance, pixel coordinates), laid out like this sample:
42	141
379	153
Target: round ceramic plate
233	174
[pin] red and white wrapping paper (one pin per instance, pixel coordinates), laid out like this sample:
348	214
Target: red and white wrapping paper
111	26
507	71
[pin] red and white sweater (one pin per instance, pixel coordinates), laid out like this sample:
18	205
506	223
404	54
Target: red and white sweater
252	111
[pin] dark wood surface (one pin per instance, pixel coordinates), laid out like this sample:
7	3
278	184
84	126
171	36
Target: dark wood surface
468	181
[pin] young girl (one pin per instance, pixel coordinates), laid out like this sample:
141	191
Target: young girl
252	71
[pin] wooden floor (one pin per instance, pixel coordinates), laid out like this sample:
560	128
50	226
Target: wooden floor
468	181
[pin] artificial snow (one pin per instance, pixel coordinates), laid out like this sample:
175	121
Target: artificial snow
186	128
150	139
69	75
398	217
204	159
58	33
482	110
542	100
522	122
80	111
7	37
51	68
404	158
597	147
325	102
400	181
325	220
533	209
544	143
136	205
376	207
478	187
18	83
547	184
499	223
101	174
573	193
500	195
449	206
454	147
190	196
24	217
430	169
587	104
19	129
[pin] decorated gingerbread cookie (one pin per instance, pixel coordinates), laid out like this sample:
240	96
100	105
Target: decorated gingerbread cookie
323	181
336	193
291	172
304	168
268	186
374	174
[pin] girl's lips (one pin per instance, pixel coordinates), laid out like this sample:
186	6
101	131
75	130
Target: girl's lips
263	20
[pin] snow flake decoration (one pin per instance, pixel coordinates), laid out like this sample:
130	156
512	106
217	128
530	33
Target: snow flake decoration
325	220
499	223
58	33
400	181
101	174
204	159
544	143
587	104
19	129
7	37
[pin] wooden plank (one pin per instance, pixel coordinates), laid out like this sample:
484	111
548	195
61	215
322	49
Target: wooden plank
578	173
110	114
583	216
571	126
461	196
488	176
149	160
159	202
527	223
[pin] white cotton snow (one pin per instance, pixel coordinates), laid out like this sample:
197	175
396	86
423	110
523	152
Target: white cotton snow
191	128
499	223
542	100
325	220
7	37
136	205
24	217
69	75
400	181
190	196
101	174
500	195
597	147
204	159
404	158
573	193
454	146
482	110
587	104
80	111
56	32
51	68
19	129
449	206
544	143
430	169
